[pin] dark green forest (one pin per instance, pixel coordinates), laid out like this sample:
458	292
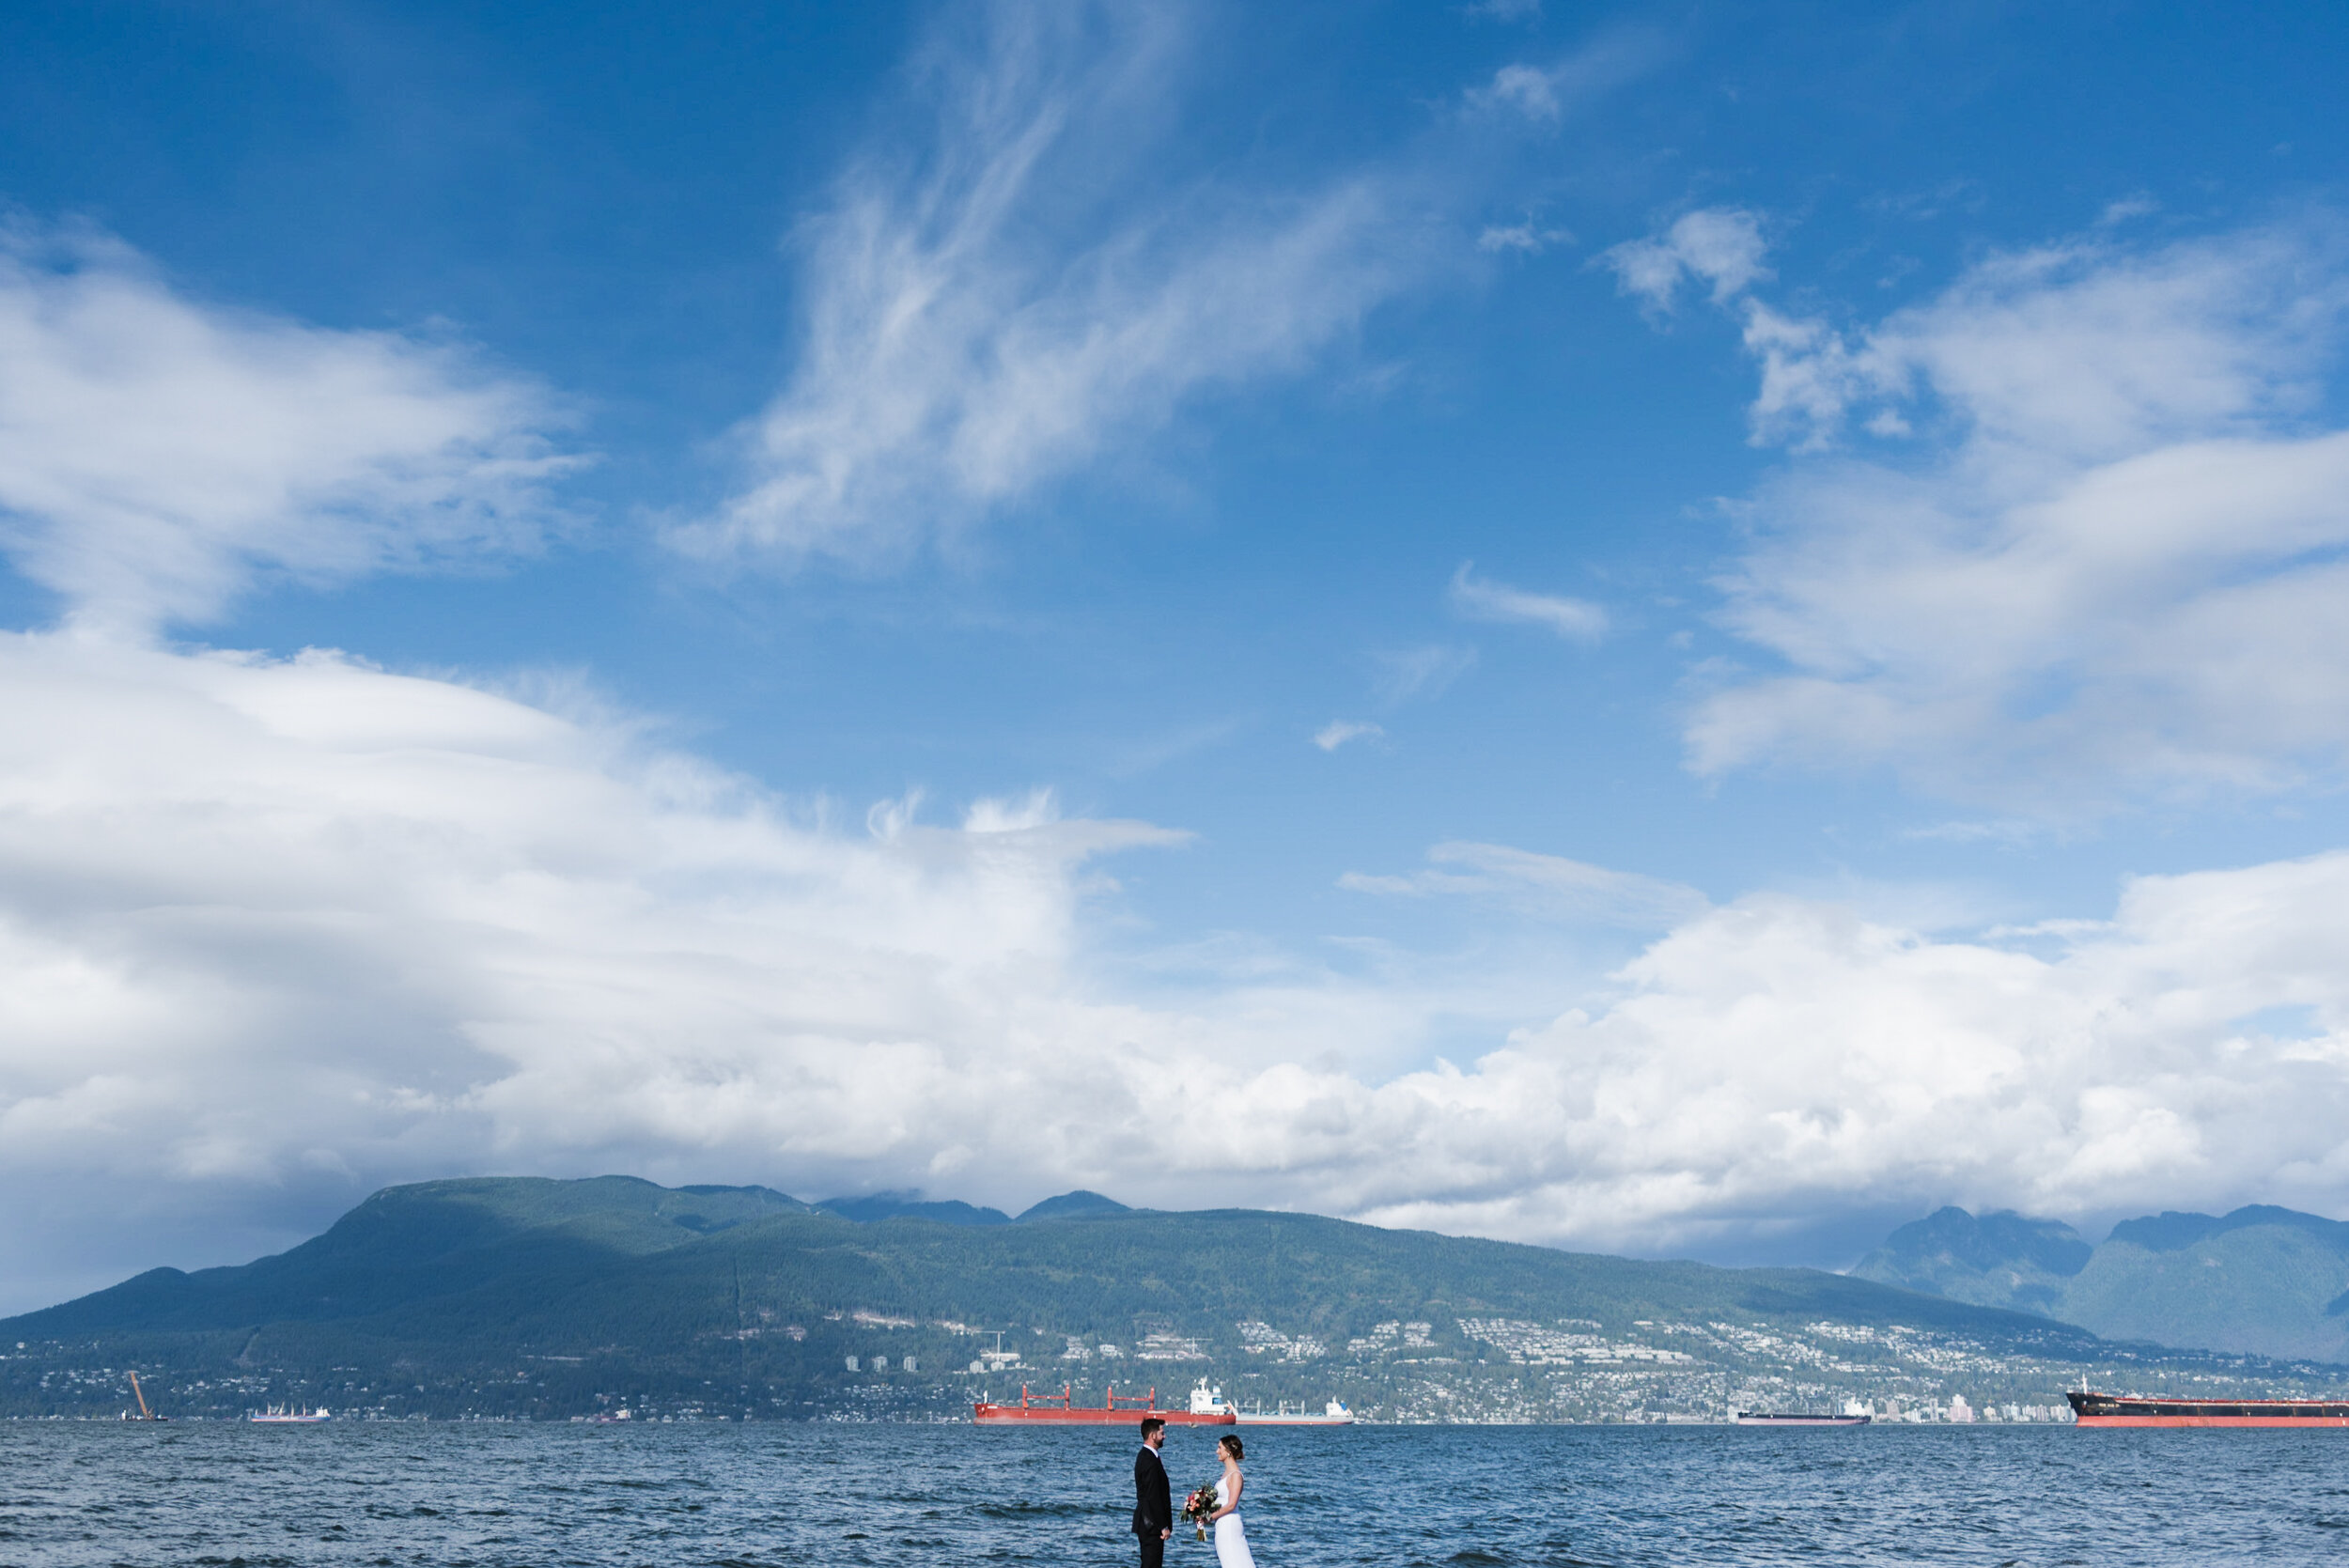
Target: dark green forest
552	1298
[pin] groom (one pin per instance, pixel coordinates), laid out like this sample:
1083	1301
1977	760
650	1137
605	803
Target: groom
1154	1504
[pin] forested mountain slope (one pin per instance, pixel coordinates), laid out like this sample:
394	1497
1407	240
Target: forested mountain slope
570	1297
2262	1280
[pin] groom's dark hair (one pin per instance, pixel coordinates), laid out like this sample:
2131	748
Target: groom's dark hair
1150	1425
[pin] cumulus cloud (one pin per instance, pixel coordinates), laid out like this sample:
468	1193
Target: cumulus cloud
989	311
305	921
1547	95
2093	553
157	454
1779	1055
279	930
1487	600
1720	247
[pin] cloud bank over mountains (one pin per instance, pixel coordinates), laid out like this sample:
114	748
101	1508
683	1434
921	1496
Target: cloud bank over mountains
303	924
2062	540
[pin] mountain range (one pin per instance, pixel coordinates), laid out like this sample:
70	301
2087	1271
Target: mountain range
2263	1281
953	1211
533	1296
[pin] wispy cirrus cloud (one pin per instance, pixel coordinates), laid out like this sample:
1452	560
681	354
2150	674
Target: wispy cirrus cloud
1551	886
1526	238
1337	732
1503	10
1406	675
159	455
1030	285
1487	600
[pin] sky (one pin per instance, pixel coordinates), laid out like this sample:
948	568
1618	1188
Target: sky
1682	630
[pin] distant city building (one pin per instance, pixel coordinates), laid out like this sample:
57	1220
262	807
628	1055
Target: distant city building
880	1363
1165	1346
907	1362
852	1366
1959	1409
978	1366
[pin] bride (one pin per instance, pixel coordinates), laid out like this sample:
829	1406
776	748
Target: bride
1231	1537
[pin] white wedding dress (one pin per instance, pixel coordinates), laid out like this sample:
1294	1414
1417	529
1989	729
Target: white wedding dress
1231	1537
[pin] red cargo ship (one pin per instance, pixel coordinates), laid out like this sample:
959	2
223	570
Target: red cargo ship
1062	1409
2092	1409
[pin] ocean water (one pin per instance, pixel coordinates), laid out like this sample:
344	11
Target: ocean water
394	1495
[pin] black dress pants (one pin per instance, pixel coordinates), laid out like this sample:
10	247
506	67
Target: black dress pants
1153	1550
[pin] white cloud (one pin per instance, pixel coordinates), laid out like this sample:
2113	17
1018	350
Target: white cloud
1487	600
304	923
991	312
157	455
2102	562
1544	885
1529	91
1547	95
1777	1056
1337	732
1721	247
1526	238
1427	671
2085	351
274	931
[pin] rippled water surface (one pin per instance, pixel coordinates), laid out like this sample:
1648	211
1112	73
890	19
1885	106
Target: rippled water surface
445	1494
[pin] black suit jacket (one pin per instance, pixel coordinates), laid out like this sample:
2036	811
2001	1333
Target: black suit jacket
1153	1505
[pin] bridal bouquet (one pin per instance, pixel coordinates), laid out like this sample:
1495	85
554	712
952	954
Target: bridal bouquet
1198	1506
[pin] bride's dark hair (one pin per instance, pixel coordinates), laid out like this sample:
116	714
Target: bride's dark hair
1232	1443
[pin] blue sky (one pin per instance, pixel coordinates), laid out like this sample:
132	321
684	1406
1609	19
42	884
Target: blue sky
1685	630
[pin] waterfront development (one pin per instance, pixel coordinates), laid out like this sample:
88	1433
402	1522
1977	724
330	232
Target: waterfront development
1507	1372
504	1299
